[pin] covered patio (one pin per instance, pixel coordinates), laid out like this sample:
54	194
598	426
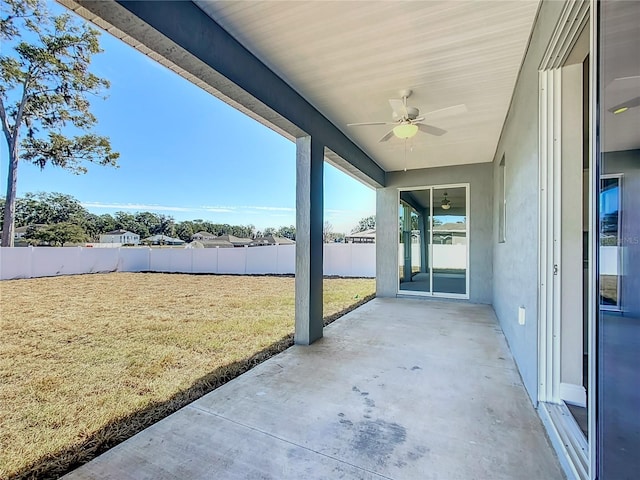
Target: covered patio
399	388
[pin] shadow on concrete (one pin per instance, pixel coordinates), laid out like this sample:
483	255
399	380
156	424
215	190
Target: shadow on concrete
56	464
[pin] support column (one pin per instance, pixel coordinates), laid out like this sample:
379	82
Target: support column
309	255
406	238
387	245
422	222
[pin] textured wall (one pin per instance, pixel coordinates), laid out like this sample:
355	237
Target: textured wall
515	262
479	176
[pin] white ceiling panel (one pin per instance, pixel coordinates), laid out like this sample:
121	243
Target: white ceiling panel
348	58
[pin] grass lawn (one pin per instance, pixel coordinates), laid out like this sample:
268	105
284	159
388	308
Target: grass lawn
88	360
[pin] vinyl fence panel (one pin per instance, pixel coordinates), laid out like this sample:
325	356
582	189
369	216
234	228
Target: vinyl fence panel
27	262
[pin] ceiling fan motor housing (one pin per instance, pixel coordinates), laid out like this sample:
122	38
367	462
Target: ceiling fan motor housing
412	113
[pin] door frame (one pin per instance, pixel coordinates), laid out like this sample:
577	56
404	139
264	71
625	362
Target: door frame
577	455
431	293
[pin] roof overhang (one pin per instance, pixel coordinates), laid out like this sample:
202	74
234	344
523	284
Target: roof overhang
310	68
180	36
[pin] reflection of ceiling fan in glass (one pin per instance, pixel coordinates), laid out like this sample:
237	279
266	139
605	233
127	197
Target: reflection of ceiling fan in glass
407	120
446	203
624	86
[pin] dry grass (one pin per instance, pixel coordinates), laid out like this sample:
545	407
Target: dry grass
609	289
88	360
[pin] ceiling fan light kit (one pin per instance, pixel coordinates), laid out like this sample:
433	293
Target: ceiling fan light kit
446	203
406	130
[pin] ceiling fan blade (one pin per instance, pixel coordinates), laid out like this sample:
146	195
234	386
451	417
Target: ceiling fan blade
446	112
369	123
386	137
430	129
398	106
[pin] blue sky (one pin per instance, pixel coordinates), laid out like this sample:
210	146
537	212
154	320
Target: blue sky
186	154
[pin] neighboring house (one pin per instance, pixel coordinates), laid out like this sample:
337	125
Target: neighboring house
450	234
235	241
215	242
163	240
209	240
366	236
21	232
271	240
202	235
124	237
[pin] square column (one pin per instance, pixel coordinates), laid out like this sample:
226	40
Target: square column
424	241
309	245
406	238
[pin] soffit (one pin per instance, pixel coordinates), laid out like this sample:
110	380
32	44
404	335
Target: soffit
348	58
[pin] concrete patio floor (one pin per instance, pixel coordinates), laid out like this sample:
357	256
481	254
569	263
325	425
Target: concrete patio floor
399	388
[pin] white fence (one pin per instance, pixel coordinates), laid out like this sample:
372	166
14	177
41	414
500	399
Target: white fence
346	260
443	256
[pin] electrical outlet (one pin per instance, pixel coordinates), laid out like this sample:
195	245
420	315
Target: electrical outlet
521	315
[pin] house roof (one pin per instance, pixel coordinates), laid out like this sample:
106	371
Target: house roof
202	233
24	228
163	238
450	227
272	240
371	233
216	243
234	240
119	232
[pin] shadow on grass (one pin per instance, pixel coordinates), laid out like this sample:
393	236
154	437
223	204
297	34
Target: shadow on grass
118	430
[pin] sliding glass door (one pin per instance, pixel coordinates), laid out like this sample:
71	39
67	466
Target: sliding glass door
450	241
618	265
433	241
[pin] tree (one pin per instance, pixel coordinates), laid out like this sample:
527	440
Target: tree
59	234
94	224
45	84
129	222
287	232
48	208
327	232
184	230
366	223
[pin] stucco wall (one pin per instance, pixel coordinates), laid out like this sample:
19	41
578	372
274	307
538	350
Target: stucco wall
479	177
515	262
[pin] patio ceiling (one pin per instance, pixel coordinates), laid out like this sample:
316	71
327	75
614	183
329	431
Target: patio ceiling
312	67
348	58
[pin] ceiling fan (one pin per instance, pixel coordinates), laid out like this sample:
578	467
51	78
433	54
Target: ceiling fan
407	120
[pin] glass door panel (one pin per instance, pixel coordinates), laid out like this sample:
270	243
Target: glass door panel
450	240
433	239
610	187
618	319
414	241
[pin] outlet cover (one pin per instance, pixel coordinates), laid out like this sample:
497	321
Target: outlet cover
521	315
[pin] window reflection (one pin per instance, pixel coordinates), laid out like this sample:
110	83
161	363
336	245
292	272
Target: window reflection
618	327
433	236
609	242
